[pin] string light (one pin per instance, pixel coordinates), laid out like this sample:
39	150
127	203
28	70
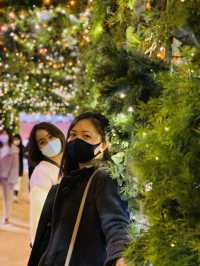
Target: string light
72	3
130	109
43	51
148	6
46	2
122	95
161	53
144	134
148	187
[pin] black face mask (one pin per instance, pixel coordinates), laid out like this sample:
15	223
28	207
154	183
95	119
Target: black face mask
79	151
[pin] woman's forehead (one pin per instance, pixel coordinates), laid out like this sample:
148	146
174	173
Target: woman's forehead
84	126
41	133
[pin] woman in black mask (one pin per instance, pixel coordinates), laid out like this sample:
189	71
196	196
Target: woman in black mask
101	234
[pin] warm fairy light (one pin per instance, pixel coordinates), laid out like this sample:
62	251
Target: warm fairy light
87	38
47	2
4	28
72	3
43	51
161	53
22	14
37	27
148	187
144	134
148	6
122	95
130	109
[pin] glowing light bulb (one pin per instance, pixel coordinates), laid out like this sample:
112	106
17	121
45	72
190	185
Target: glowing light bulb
130	109
122	95
72	3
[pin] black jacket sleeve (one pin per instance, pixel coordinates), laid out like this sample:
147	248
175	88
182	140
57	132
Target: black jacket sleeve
114	216
43	230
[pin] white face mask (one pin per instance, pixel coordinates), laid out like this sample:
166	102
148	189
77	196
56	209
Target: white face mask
53	148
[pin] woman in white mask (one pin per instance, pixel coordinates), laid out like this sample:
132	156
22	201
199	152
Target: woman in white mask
46	144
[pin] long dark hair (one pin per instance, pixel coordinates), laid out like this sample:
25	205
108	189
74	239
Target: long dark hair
101	123
21	153
34	154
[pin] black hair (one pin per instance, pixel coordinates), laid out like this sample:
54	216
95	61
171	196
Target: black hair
1	144
21	153
34	154
102	125
10	139
17	136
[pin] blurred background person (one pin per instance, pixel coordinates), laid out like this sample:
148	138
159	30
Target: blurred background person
4	143
45	148
18	142
9	172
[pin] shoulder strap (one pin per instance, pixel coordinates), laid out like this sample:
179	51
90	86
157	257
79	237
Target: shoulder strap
78	220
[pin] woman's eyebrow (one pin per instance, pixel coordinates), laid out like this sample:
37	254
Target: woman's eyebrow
42	138
83	131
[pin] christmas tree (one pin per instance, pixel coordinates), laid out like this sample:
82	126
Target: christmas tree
143	72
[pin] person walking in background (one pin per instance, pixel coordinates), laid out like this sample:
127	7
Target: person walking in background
4	143
45	149
102	233
9	171
17	140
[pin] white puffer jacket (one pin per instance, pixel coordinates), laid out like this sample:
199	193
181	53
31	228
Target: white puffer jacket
44	176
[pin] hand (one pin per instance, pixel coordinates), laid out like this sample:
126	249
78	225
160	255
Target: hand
120	262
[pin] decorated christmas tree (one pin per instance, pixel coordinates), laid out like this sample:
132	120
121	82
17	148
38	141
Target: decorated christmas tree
142	71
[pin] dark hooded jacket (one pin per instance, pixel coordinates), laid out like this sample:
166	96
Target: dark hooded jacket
102	234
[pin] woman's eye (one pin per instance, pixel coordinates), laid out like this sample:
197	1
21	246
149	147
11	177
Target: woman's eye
87	136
